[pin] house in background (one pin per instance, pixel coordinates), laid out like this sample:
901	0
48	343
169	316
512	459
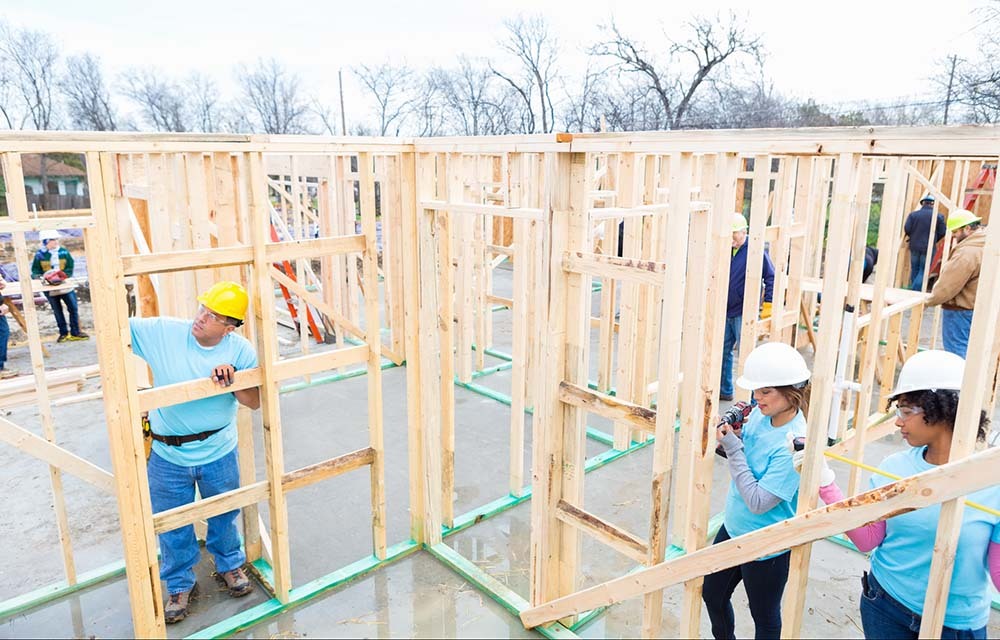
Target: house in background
56	186
60	178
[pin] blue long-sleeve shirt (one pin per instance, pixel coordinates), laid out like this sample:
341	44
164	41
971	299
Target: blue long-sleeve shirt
738	279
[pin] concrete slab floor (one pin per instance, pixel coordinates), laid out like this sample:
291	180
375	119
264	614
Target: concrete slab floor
416	596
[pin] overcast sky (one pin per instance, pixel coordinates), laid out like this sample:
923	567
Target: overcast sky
831	51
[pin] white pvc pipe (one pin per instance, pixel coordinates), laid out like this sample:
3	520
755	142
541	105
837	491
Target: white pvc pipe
839	382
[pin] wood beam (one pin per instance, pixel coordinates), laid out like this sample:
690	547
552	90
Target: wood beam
946	482
608	406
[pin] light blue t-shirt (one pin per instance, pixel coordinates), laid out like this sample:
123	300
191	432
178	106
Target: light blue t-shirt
902	563
770	461
174	355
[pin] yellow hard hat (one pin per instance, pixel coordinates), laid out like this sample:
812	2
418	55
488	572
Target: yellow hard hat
227	299
740	222
961	218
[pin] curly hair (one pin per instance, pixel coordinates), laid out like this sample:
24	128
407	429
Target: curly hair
940	405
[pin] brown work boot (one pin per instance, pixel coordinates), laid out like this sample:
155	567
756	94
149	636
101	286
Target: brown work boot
177	605
237	582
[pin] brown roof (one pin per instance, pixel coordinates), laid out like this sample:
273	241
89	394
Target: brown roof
31	165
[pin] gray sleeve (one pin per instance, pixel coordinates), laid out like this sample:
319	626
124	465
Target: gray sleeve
757	499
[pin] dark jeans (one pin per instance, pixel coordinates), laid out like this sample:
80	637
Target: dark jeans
917	269
57	302
882	616
764	582
4	336
730	339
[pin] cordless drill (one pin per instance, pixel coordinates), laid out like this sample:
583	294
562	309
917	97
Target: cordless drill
734	417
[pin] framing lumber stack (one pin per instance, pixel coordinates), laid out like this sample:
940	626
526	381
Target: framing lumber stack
181	211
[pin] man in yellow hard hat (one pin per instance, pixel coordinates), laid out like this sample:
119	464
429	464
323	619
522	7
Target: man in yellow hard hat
194	443
955	289
734	305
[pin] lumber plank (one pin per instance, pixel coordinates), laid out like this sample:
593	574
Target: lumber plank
946	482
482	209
317	362
366	183
675	229
121	404
610	407
171	394
311	474
264	315
645	272
823	378
209	507
411	313
601	530
56	456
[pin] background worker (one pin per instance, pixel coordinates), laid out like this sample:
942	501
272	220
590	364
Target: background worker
892	598
5	371
956	287
917	229
734	304
51	259
764	488
195	442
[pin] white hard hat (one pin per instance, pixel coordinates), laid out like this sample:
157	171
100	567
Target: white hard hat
773	364
930	370
48	234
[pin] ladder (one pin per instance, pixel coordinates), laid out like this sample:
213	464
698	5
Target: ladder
286	267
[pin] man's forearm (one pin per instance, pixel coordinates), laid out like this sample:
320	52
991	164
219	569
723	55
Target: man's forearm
249	398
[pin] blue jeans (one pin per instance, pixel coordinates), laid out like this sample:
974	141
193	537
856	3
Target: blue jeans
731	339
955	325
764	581
57	302
170	486
882	616
4	336
917	269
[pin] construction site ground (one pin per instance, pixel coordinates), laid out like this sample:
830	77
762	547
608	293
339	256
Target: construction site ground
329	524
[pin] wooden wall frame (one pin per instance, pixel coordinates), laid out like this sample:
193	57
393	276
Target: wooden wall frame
178	211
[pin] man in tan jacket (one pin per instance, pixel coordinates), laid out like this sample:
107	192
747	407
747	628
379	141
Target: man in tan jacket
955	289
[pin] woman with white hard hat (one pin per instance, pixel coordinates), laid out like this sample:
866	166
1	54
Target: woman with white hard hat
764	488
892	598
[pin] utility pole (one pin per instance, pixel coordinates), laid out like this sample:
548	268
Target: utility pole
343	118
951	82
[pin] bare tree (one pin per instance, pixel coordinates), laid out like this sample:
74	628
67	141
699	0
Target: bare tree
204	105
87	98
473	101
391	88
325	114
8	97
741	97
584	109
32	56
536	49
428	111
160	100
676	80
276	104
